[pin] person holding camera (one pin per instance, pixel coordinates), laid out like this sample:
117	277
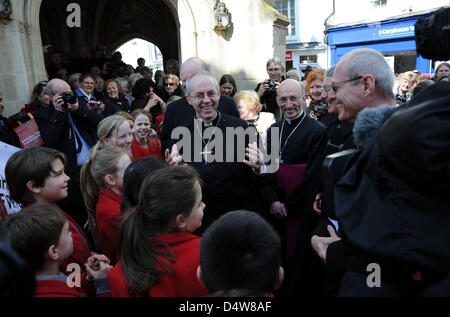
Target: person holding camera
267	90
85	95
70	127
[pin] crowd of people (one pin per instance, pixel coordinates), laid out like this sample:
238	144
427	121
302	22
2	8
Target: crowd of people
341	169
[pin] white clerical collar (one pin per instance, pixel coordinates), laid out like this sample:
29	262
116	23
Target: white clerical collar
289	121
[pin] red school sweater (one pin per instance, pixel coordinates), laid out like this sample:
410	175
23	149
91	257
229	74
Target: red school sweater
154	149
108	220
181	282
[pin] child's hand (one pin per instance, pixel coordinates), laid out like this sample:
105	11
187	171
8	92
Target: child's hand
98	271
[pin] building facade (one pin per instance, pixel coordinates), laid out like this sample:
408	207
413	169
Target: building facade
238	38
384	25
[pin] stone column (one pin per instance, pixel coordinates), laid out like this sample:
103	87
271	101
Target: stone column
21	54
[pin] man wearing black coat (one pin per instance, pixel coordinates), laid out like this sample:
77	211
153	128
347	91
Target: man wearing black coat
71	129
181	113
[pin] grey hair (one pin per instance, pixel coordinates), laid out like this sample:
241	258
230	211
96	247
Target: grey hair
202	63
133	76
366	61
276	61
123	82
294	74
72	79
189	82
330	71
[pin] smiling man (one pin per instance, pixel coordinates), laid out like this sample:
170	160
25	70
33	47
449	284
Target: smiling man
230	183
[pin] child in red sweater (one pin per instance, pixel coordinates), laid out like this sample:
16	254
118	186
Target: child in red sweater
159	254
101	185
143	143
40	235
36	175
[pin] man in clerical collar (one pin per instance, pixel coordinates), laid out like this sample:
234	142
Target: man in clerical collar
302	141
218	147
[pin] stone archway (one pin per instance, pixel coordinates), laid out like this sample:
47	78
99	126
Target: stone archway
257	33
110	22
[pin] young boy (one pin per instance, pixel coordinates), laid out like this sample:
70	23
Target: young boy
240	255
41	237
36	175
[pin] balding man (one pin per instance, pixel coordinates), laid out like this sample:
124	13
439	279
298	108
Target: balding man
302	141
70	128
180	112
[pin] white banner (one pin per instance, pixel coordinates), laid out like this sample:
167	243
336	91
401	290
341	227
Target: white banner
6	151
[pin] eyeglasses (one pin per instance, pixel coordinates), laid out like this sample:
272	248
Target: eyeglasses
335	86
273	70
169	84
284	100
201	96
327	88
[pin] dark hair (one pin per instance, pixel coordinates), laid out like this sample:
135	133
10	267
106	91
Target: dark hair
31	164
420	86
37	90
142	87
33	230
240	251
84	76
135	175
228	79
164	195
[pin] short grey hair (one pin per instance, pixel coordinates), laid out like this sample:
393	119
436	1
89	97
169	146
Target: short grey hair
276	61
330	71
189	82
366	61
133	76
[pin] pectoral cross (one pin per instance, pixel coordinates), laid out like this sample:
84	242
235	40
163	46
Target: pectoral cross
205	154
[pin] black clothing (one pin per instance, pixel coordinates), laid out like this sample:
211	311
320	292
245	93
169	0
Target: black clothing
7	135
229	184
269	102
305	146
393	204
113	105
57	133
141	102
162	93
181	114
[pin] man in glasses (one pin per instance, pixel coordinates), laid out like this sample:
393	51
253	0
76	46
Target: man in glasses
215	144
267	90
363	79
181	113
302	141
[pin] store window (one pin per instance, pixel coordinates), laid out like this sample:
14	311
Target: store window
308	59
287	8
401	62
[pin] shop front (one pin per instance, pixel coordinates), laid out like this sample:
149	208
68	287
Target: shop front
393	38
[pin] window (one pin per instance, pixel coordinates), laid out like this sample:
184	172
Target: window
287	8
379	3
308	59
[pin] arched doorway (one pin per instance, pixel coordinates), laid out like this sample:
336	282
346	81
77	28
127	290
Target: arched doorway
139	48
109	22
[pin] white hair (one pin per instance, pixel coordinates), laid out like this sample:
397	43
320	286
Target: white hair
189	82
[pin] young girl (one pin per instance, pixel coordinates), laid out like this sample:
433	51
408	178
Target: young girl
134	176
116	131
159	255
101	185
145	140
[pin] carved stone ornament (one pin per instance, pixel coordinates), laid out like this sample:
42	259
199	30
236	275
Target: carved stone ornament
222	17
5	9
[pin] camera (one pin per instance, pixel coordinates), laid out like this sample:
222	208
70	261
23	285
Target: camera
433	35
97	103
68	98
271	84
